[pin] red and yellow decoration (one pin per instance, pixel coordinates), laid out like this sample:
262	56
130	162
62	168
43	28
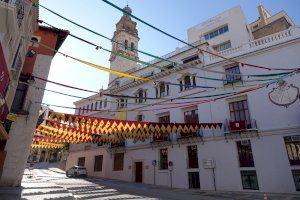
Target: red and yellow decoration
42	142
66	128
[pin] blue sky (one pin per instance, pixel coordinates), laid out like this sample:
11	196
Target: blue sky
173	16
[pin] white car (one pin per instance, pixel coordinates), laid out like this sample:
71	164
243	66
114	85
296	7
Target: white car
76	171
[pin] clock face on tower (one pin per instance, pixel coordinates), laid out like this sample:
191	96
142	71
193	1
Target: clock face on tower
284	94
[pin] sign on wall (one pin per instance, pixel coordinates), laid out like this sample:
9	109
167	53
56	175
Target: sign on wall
209	163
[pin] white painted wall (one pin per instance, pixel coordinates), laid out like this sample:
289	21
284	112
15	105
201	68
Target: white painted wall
270	156
21	133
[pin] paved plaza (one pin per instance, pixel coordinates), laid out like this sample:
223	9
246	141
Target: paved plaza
51	183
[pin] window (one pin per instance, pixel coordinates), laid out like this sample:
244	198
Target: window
171	66
81	161
233	75
190	59
296	176
162	90
118	161
192	156
194	181
141	96
163	158
164	119
83	109
132	46
96	105
249	180
105	103
79	111
98	163
223	46
126	44
121	103
292	144
87	108
139	118
20	97
187	82
239	111
217	32
191	116
245	153
92	107
100	104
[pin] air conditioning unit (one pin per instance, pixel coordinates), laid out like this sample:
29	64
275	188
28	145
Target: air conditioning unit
295	138
245	142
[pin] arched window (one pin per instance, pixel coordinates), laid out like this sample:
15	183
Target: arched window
83	109
132	46
141	96
162	90
92	107
87	108
79	111
126	44
187	81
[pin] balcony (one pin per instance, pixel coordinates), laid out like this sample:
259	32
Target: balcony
117	147
261	43
232	80
161	140
240	129
186	138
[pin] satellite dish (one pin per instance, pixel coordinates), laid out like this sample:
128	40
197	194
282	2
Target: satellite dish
284	94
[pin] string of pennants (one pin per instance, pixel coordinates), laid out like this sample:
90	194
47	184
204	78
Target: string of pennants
41	142
47	146
66	128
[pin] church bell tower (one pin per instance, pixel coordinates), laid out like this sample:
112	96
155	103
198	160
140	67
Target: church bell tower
126	35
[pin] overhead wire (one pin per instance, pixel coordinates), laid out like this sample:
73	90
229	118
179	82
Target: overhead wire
127	75
134	49
156	66
183	104
186	43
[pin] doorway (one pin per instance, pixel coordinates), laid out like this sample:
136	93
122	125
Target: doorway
138	172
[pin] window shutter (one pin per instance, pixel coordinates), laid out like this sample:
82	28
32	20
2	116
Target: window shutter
194	80
167	89
181	88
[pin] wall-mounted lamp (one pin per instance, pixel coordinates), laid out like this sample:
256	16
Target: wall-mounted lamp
31	53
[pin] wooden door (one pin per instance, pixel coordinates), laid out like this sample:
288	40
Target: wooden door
139	172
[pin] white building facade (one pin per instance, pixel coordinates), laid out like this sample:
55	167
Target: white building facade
257	148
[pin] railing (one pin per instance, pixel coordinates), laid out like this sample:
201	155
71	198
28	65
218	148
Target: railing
231	126
198	133
20	8
160	138
271	38
118	144
276	38
232	80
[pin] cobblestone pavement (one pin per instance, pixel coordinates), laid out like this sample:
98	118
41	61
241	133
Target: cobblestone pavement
51	183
